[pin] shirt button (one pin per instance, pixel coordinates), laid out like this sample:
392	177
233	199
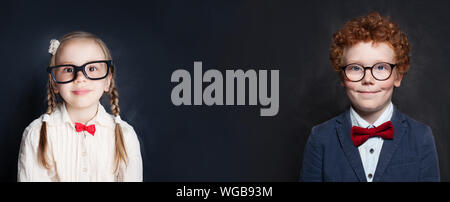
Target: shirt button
371	151
370	175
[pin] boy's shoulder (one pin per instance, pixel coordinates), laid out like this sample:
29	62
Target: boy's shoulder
413	122
414	125
322	131
330	124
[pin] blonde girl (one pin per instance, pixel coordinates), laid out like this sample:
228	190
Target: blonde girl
76	139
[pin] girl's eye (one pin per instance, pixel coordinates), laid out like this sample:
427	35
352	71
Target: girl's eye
380	67
92	68
68	70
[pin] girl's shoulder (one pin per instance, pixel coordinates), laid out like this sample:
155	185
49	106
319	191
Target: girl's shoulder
127	129
32	131
36	123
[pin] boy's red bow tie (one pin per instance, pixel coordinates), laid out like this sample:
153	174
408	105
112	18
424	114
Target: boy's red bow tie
360	135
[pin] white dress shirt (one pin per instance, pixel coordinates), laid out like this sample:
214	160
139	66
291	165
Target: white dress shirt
78	156
370	150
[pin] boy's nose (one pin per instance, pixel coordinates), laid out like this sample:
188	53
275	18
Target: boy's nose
368	78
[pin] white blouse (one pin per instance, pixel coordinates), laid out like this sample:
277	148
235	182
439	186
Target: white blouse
78	156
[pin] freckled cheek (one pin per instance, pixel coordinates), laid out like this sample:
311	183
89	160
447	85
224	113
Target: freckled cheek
350	89
386	85
350	86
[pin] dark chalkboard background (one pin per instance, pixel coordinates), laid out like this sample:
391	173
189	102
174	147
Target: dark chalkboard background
149	40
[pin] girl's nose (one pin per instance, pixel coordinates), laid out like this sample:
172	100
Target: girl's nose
80	77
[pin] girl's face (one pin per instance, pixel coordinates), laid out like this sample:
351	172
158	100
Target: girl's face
370	95
82	92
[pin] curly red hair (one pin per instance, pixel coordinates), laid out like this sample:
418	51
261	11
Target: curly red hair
375	28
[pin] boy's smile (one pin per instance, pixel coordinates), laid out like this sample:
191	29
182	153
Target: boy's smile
365	94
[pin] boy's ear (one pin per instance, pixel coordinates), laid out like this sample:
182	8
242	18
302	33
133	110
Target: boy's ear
398	79
342	79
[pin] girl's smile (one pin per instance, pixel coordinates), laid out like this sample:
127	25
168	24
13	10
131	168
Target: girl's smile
81	91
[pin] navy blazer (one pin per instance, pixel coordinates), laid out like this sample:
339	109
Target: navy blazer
331	156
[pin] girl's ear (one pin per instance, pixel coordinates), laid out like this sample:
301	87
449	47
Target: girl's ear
55	89
108	83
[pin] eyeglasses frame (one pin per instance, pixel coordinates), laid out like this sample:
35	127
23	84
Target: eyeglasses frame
109	64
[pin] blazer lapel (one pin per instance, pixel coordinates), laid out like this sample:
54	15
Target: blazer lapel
343	127
389	146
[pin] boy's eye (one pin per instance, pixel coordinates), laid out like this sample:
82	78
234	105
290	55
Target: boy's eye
355	68
381	67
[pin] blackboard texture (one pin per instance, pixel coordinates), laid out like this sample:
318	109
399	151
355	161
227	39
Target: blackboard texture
149	40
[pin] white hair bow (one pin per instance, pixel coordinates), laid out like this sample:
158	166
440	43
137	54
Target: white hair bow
54	44
117	119
45	118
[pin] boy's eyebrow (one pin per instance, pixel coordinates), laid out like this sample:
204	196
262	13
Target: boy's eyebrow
375	62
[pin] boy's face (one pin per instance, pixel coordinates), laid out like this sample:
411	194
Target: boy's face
370	95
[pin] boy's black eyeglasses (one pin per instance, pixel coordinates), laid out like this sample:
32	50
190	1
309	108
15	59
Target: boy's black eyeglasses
94	70
380	71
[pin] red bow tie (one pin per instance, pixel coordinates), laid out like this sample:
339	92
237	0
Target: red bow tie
80	127
360	135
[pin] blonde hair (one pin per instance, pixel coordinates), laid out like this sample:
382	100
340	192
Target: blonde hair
52	101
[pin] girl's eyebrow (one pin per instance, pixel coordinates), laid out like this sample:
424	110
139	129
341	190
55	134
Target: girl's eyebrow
66	63
71	63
